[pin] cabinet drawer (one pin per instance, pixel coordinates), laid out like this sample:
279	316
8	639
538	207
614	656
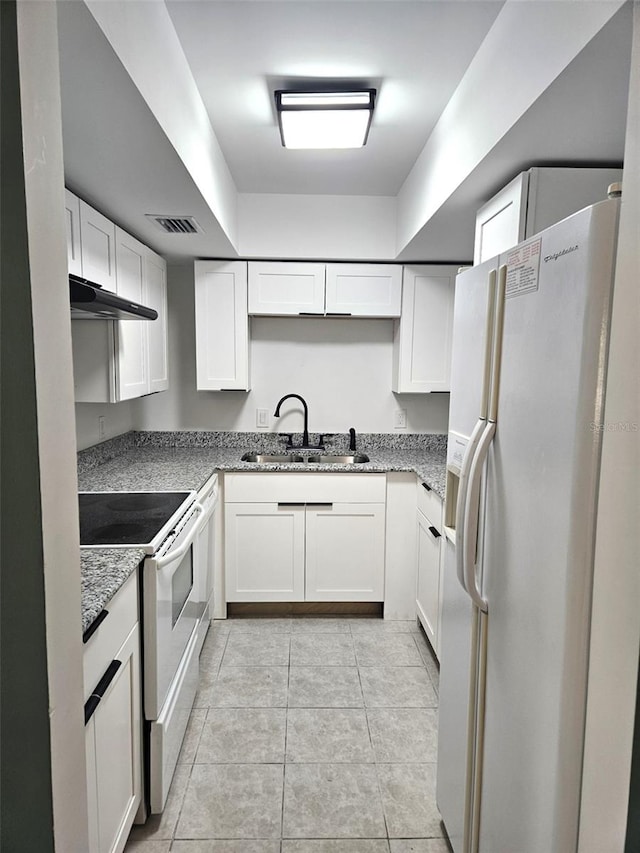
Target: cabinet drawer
430	504
102	646
304	487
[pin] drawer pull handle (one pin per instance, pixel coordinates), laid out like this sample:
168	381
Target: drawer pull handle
434	532
426	486
95	625
308	503
101	688
338	314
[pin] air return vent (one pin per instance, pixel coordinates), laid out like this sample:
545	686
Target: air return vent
175	224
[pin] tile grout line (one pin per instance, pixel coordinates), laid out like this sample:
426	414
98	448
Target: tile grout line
284	756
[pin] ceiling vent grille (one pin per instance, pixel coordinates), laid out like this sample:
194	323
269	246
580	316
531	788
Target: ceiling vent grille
175	224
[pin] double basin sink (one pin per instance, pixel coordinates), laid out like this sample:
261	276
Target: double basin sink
325	458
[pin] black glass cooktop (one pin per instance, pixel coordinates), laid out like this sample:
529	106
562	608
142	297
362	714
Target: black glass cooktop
126	518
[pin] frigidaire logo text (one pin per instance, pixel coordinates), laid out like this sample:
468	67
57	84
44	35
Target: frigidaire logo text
557	255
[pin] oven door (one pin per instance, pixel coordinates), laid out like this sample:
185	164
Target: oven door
172	609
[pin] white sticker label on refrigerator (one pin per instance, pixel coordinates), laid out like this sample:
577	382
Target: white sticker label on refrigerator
523	266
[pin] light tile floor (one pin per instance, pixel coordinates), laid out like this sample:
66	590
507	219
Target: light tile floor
308	735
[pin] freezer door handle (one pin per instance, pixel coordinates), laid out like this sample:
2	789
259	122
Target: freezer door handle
463	485
471	517
462	498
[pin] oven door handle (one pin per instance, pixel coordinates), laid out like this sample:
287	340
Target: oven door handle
175	554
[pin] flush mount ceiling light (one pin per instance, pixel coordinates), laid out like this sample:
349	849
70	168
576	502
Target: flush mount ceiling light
324	119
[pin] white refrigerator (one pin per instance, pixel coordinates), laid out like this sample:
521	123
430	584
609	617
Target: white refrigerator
527	400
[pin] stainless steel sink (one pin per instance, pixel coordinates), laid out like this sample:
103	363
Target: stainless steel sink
271	457
331	459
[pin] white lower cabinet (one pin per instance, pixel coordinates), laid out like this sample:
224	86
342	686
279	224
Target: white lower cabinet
429	559
113	724
265	558
345	552
304	537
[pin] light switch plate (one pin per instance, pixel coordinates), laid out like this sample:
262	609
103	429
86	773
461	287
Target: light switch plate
262	418
400	419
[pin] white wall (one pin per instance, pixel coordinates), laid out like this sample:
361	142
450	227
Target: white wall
118	418
144	39
504	79
317	226
341	367
58	485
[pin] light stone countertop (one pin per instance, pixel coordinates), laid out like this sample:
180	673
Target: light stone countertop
149	461
104	570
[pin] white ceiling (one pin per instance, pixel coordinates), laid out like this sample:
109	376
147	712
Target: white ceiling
118	158
414	53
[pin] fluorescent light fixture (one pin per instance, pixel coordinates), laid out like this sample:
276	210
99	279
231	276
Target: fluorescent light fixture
324	119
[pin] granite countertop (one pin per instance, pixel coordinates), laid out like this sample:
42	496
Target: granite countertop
104	570
176	468
153	462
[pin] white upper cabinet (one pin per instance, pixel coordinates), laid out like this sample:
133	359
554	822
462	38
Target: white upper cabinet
422	336
132	360
500	223
156	297
222	326
115	360
98	247
533	201
282	288
72	219
364	290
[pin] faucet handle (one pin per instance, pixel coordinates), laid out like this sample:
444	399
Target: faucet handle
289	437
322	437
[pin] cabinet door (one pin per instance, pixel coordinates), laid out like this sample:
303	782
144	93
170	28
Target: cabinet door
501	222
98	247
364	290
286	288
72	218
222	326
422	338
132	363
345	552
157	338
428	587
264	552
116	762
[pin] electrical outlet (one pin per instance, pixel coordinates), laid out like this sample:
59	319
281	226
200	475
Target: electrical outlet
262	418
102	427
400	419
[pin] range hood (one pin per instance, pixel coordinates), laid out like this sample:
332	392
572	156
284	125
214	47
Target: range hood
90	301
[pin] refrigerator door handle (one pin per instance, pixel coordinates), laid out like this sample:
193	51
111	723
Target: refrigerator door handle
472	508
472	496
462	498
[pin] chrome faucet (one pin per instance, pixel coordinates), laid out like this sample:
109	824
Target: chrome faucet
305	434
